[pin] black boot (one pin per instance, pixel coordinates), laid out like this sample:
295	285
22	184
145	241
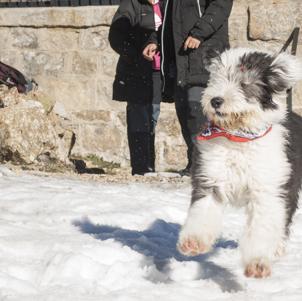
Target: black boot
139	146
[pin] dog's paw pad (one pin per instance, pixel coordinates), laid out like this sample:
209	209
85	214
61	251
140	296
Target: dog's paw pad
192	247
258	269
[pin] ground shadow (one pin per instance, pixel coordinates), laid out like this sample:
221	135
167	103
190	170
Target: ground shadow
158	242
81	168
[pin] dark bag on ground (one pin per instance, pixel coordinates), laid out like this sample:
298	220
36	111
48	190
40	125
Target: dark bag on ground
11	77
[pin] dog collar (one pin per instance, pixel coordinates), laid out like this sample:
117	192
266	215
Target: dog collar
214	131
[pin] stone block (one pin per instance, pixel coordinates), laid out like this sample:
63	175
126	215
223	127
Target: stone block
170	146
24	38
122	115
168	122
4	34
57	39
76	93
238	22
104	92
43	63
170	155
95	115
107	63
105	140
95	38
273	20
84	63
83	16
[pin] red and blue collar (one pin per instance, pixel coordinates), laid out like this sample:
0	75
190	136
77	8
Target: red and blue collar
213	131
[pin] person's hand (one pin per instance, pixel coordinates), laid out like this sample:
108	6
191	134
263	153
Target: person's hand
191	43
150	51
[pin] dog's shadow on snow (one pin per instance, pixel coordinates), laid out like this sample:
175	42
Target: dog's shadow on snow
158	244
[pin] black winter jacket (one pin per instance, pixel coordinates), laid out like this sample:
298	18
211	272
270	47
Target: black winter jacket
129	33
206	20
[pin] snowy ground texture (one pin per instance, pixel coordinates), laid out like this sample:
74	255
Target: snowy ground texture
63	239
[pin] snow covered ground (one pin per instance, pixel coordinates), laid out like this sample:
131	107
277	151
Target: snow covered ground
64	239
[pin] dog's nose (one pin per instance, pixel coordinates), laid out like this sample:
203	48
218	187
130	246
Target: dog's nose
216	102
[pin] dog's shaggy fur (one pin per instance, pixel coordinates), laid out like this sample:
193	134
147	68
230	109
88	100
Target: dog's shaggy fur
265	174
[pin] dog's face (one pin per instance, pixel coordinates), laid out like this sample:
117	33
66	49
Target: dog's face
247	88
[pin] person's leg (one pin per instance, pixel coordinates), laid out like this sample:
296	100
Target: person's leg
138	128
195	117
156	100
181	106
154	115
190	116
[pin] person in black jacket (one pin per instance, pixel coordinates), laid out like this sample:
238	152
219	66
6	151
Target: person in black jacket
136	81
193	31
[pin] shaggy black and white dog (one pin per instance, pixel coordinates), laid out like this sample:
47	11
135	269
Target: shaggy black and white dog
249	155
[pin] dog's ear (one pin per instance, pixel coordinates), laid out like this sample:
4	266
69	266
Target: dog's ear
210	59
283	73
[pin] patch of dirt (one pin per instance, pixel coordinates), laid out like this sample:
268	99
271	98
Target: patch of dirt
121	175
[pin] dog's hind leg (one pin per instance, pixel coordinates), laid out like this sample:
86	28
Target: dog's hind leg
264	235
202	227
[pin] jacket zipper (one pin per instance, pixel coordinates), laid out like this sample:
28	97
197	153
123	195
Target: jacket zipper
199	9
162	46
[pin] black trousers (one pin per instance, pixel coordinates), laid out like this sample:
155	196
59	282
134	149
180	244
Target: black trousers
190	115
141	122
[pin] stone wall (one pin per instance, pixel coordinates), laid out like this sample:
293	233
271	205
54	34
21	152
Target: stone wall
66	51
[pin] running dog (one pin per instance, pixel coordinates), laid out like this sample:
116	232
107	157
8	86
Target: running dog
249	154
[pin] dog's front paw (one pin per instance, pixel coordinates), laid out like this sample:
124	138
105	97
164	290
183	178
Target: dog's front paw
258	268
192	246
202	227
